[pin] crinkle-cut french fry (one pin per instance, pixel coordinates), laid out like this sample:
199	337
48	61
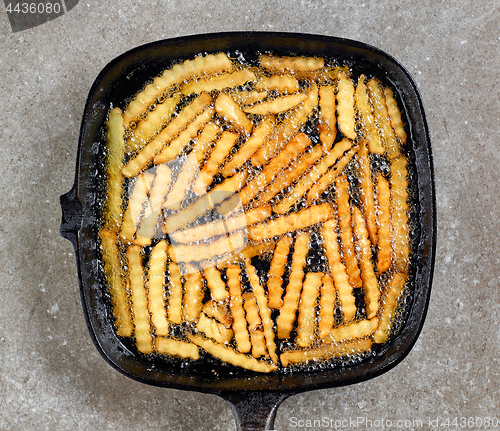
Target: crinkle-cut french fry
136	202
389	304
369	128
276	272
217	287
306	320
222	148
228	80
116	283
326	351
327	127
219	310
254	325
345	107
150	126
277	105
265	312
178	144
207	202
298	65
199	66
360	329
367	192
286	318
249	147
287	129
115	144
337	269
183	180
370	282
395	114
213	329
231	112
272	169
194	291
279	83
173	347
259	249
156	288
345	231
326	307
178	123
392	146
289	175
247	97
308	180
204	141
384	247
327	179
399	213
174	309
230	356
139	300
290	222
239	326
152	210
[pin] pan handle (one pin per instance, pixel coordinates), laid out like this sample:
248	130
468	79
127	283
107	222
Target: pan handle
254	410
71	219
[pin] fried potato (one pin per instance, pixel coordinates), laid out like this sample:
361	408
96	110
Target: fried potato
369	128
204	141
384	247
215	284
231	112
276	105
239	326
221	82
173	347
306	320
193	295
326	307
259	249
345	107
327	120
246	97
219	310
189	170
174	309
360	329
276	272
254	325
279	83
299	66
367	192
213	329
395	114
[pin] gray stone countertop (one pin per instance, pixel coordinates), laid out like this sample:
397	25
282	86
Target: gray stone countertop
51	375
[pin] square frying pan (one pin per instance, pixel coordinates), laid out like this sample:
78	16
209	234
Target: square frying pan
253	397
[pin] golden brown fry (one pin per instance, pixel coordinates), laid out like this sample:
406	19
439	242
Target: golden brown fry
389	304
115	144
326	307
365	110
227	354
345	231
259	249
367	192
174	309
291	222
345	107
286	317
173	347
337	269
254	325
236	303
116	283
185	176
147	154
327	120
360	329
245	97
325	352
276	272
203	144
306	320
194	290
155	288
215	284
279	83
231	112
384	248
219	310
370	282
213	329
297	65
277	105
308	180
233	79
139	300
394	114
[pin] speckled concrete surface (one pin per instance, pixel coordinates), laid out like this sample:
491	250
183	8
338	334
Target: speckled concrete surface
51	376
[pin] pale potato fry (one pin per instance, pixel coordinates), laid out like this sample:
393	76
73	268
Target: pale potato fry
219	310
204	141
395	114
174	309
360	329
277	105
155	288
384	247
291	222
239	326
231	112
367	192
213	329
369	128
326	307
228	80
276	272
345	107
286	318
217	287
258	249
246	97
115	144
327	126
279	83
194	290
199	66
298	65
326	351
306	320
147	154
139	300
254	325
173	347
229	355
370	282
116	283
337	269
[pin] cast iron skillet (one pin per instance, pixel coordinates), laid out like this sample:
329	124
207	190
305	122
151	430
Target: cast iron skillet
254	398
